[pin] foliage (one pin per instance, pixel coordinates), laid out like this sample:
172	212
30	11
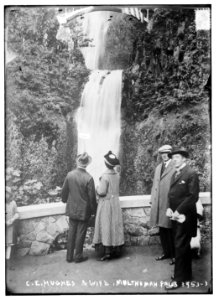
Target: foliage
30	191
13	143
44	81
171	71
164	100
37	168
43	87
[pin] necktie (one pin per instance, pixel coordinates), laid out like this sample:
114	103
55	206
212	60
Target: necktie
177	173
163	168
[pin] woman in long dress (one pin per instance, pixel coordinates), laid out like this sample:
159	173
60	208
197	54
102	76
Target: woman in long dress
109	232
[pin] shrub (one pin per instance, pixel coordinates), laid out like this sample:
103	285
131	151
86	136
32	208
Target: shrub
31	191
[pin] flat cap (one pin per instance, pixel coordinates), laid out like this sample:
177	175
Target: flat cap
165	149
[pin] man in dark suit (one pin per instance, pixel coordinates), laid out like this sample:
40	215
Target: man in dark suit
79	192
183	195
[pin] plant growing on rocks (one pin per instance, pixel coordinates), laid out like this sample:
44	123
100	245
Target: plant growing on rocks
31	191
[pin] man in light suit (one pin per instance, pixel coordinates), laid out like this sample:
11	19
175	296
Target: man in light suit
79	192
159	200
183	195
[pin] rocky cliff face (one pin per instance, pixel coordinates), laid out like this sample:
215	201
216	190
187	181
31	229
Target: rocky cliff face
165	99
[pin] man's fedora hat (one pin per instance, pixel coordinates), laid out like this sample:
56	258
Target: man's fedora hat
181	151
165	149
83	160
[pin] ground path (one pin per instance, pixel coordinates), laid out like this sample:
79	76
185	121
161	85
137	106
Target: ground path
135	272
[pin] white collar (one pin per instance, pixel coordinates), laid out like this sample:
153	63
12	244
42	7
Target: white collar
80	167
110	171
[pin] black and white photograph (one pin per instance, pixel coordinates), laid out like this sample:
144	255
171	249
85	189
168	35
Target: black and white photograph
108	149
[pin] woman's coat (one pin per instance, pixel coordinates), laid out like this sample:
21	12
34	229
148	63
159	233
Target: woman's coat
109	223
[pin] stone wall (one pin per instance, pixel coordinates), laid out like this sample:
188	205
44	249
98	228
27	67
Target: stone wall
40	233
39	236
36	236
137	229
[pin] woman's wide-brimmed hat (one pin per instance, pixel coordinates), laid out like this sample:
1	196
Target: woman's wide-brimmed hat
83	160
181	151
111	159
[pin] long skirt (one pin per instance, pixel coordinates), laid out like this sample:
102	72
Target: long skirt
109	223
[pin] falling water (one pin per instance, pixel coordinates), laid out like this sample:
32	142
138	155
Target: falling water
95	26
98	117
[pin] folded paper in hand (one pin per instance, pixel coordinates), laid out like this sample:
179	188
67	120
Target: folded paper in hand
180	218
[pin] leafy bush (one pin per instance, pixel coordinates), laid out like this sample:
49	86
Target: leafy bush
34	167
31	191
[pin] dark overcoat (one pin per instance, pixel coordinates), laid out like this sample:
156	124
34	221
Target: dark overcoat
183	195
159	196
79	192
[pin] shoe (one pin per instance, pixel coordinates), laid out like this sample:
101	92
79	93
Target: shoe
172	261
105	257
162	257
84	258
173	286
69	260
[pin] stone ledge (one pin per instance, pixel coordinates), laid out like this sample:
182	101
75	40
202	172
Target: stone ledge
58	208
41	210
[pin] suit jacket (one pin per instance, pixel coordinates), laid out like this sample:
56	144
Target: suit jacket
159	196
79	192
183	195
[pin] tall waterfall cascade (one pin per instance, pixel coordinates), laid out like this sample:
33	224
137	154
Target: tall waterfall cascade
99	115
98	118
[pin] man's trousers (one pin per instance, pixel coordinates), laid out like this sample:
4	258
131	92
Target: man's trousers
183	253
167	241
76	236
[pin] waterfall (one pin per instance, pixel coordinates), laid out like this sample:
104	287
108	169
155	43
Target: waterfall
99	115
99	118
95	26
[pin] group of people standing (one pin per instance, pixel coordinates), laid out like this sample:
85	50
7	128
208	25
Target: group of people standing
81	197
174	195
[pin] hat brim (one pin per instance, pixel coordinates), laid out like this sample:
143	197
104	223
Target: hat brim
181	152
84	165
165	151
